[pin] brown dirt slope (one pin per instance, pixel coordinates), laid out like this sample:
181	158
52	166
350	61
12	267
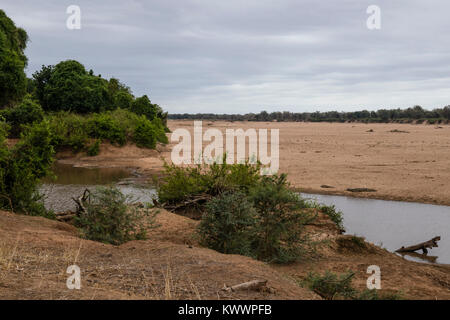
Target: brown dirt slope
35	252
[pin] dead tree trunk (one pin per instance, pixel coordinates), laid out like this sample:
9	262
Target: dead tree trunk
421	246
251	285
85	197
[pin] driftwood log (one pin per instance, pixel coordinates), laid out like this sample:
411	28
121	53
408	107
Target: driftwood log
81	208
422	256
190	202
250	285
421	246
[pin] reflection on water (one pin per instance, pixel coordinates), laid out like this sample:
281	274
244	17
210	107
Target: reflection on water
68	174
72	181
393	224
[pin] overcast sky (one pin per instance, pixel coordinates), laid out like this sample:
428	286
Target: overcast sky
245	56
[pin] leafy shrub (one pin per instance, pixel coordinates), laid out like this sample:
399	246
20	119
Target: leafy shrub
280	220
13	81
27	112
181	184
110	218
143	106
22	167
228	224
75	131
247	213
335	215
94	148
104	126
331	286
145	134
68	86
69	130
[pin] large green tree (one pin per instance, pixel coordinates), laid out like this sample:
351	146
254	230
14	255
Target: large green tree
68	86
13	81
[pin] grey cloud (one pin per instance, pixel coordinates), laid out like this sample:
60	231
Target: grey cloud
242	56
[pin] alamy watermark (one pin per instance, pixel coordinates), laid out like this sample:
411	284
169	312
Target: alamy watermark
188	151
73	22
374	20
374	281
74	280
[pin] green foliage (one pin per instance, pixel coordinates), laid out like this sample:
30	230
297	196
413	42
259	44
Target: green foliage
26	113
110	218
145	134
180	184
22	167
74	131
94	148
105	126
281	220
71	88
121	94
143	106
13	81
228	224
335	215
330	286
247	213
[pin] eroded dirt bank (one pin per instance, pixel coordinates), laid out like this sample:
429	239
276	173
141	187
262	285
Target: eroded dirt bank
35	253
400	161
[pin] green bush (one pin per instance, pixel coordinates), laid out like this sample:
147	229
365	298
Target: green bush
281	219
181	184
228	224
69	87
13	81
74	131
143	106
110	218
330	286
104	126
94	148
247	213
144	134
335	215
22	167
27	112
69	130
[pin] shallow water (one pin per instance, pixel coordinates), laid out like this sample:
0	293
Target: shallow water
68	174
72	181
393	224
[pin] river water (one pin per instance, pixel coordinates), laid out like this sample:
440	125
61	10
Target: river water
393	224
390	224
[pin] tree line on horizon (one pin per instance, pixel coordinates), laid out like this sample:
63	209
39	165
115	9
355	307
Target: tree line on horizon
416	114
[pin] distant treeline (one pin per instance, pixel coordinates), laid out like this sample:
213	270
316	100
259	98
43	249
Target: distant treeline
411	115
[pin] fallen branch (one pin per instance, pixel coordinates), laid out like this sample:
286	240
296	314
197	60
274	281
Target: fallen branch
80	201
421	246
65	216
187	203
250	285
